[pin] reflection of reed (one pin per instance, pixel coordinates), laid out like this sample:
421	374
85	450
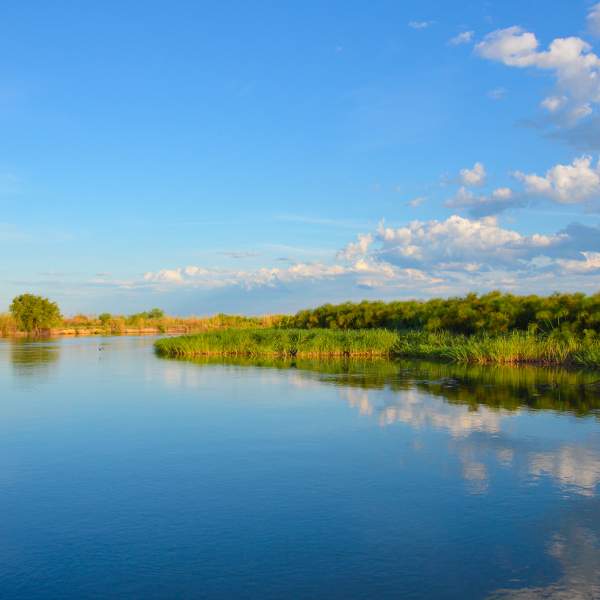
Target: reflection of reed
508	388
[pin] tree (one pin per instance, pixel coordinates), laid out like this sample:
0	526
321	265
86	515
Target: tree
33	314
155	313
105	318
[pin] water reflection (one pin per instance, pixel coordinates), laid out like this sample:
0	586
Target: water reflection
507	388
478	412
574	467
33	358
576	548
387	479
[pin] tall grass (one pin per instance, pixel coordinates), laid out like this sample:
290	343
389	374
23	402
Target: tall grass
281	342
8	325
510	349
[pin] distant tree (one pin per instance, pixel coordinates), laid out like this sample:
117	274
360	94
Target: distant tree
33	314
105	318
155	313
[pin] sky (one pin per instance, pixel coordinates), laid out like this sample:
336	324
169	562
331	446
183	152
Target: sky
259	157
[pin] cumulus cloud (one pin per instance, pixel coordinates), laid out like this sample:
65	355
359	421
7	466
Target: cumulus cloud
590	263
566	184
465	37
358	248
571	60
420	258
459	240
475	176
357	268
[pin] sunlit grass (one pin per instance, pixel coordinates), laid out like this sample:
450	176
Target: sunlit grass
281	342
509	349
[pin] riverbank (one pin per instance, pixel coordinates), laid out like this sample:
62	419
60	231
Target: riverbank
140	324
509	349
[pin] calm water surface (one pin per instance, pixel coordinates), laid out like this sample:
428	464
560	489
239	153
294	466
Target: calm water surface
123	475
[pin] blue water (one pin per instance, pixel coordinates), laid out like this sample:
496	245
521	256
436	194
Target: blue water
123	475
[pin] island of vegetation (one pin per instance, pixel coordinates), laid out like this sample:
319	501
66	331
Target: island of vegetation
499	328
495	328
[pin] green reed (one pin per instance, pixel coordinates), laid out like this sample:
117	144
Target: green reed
509	349
281	342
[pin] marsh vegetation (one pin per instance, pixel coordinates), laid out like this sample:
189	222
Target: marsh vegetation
509	349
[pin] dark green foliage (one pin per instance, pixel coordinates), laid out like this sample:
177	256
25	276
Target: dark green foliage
155	313
104	319
494	313
149	315
34	314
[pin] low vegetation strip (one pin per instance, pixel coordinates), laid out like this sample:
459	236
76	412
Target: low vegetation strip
281	343
509	349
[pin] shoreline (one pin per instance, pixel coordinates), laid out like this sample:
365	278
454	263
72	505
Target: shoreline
71	332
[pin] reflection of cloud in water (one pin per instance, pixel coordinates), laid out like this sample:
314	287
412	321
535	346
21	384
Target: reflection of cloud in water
421	411
577	468
475	473
505	456
358	398
578	551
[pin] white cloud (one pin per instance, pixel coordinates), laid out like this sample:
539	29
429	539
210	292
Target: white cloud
216	278
460	240
554	103
358	248
590	263
511	46
593	20
420	24
359	268
465	37
475	176
420	258
566	184
571	60
503	193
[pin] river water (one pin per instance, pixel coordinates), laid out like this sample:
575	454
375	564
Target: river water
123	475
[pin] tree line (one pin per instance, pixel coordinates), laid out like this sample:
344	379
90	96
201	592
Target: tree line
492	313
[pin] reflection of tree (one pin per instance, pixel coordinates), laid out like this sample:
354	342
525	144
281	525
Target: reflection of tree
508	388
32	358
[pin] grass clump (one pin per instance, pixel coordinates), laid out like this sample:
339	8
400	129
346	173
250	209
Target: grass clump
281	343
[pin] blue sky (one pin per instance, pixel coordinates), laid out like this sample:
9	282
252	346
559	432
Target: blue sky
267	156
